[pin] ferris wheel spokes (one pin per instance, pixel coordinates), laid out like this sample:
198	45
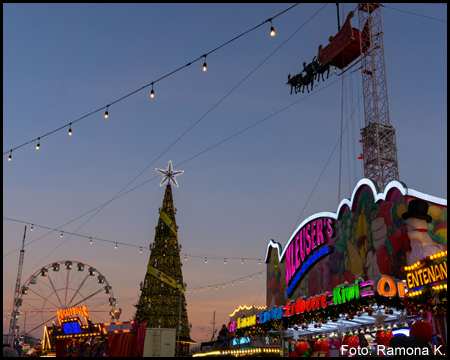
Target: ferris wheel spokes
57	296
87	297
78	289
42	323
43	298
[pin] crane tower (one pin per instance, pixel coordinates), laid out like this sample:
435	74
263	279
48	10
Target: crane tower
14	323
378	135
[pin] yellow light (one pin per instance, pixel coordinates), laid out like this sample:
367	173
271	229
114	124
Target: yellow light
116	246
431	257
152	94
224	261
9	159
38	144
70	130
445	286
272	31
204	66
106	113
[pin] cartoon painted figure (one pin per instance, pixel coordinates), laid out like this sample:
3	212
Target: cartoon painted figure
416	222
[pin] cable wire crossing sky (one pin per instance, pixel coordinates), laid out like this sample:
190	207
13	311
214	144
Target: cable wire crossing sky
258	160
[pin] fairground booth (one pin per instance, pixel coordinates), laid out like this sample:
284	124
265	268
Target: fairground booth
356	277
229	343
77	336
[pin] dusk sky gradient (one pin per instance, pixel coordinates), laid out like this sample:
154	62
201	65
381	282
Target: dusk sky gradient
63	61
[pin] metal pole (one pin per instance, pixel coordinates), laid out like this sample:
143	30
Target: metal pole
339	24
179	320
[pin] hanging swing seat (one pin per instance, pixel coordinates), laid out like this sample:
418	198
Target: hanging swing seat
343	48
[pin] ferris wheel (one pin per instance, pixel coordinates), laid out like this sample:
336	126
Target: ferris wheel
63	285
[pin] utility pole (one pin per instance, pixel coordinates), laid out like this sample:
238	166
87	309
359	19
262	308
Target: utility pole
213	323
14	321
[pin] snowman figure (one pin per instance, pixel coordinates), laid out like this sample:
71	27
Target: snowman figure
416	222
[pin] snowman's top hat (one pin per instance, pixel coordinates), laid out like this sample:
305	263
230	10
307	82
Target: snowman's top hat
417	209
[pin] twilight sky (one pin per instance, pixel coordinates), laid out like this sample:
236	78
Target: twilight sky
64	61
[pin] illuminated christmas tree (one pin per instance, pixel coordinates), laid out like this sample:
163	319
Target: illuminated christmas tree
159	303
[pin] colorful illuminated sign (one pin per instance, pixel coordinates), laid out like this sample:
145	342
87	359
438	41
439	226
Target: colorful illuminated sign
118	327
244	322
70	312
317	255
388	287
72	327
242	340
313	303
272	314
342	293
305	244
427	275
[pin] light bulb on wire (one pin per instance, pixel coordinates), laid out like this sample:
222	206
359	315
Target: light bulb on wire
106	112
9	159
242	261
206	261
152	93
31	227
204	64
140	250
272	30
116	246
90	242
61	234
225	261
38	144
70	129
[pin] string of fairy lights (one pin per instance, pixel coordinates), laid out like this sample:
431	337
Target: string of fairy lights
216	286
152	92
117	243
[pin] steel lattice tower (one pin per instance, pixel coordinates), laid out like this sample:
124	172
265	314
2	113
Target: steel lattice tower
13	323
378	135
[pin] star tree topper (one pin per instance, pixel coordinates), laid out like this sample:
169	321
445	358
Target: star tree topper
169	174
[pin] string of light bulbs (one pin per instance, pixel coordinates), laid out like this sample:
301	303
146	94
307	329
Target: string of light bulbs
187	160
223	284
152	93
249	127
116	243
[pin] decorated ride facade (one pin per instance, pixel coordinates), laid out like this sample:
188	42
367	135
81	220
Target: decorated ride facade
380	259
75	335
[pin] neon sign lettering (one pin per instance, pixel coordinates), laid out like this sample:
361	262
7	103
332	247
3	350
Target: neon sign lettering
76	310
427	275
342	294
243	340
306	265
306	241
244	322
313	303
272	314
